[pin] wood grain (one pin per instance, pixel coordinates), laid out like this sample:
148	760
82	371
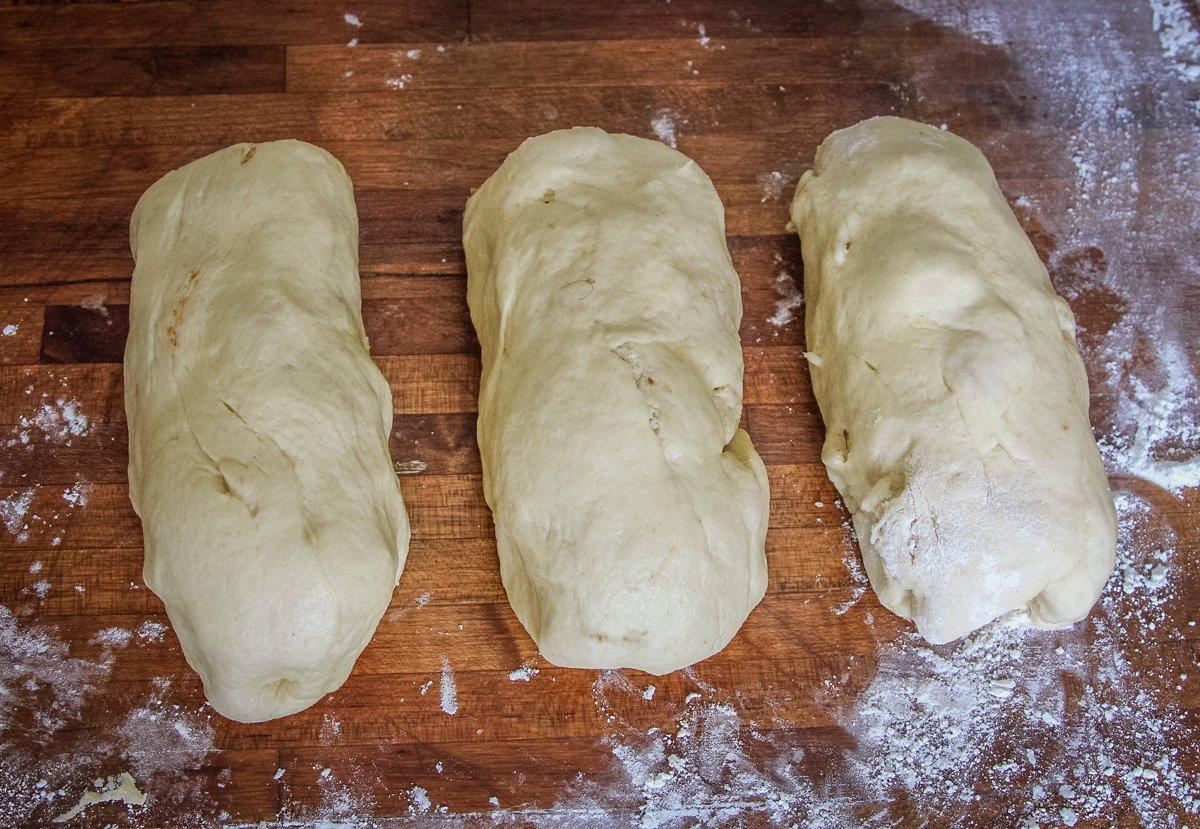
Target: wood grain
99	99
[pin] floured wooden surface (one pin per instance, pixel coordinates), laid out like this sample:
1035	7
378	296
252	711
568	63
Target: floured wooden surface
823	710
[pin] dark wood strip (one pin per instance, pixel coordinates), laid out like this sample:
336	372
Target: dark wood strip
180	70
229	22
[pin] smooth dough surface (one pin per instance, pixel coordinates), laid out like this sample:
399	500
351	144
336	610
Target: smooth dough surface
630	509
258	426
954	398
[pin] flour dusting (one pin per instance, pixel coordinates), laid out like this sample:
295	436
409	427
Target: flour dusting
774	184
1175	25
13	510
448	692
162	737
525	673
791	299
664	126
56	421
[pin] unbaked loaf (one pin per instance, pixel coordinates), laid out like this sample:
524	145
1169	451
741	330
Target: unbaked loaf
954	399
630	509
258	426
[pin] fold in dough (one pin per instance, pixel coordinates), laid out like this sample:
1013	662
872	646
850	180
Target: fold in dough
630	510
258	426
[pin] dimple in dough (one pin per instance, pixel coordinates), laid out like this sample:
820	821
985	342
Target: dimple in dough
630	509
954	398
258	426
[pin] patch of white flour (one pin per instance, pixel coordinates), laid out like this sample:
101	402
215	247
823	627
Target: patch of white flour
13	510
791	299
448	690
1175	25
162	737
664	124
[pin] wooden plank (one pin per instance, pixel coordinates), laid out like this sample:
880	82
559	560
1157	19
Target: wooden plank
499	66
514	20
187	70
227	22
511	20
412	114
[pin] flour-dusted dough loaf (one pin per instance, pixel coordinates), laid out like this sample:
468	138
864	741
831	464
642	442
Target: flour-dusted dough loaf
954	399
630	510
258	426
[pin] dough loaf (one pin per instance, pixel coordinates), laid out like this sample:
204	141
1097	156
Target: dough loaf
258	426
954	398
630	510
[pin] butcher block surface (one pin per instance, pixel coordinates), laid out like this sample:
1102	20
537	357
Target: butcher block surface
1086	111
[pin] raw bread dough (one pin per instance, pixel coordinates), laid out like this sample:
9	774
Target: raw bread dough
258	426
954	399
630	510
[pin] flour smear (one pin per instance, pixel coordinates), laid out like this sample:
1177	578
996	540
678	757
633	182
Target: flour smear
56	746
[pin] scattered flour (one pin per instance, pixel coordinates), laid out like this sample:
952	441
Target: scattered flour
709	768
858	578
160	737
993	711
13	510
664	126
448	689
9	330
1157	436
38	677
113	637
791	299
1175	25
58	422
1094	76
400	82
331	730
525	673
151	631
419	802
413	467
352	20
774	184
77	495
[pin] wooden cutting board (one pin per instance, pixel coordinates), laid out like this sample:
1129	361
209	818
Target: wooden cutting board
97	100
